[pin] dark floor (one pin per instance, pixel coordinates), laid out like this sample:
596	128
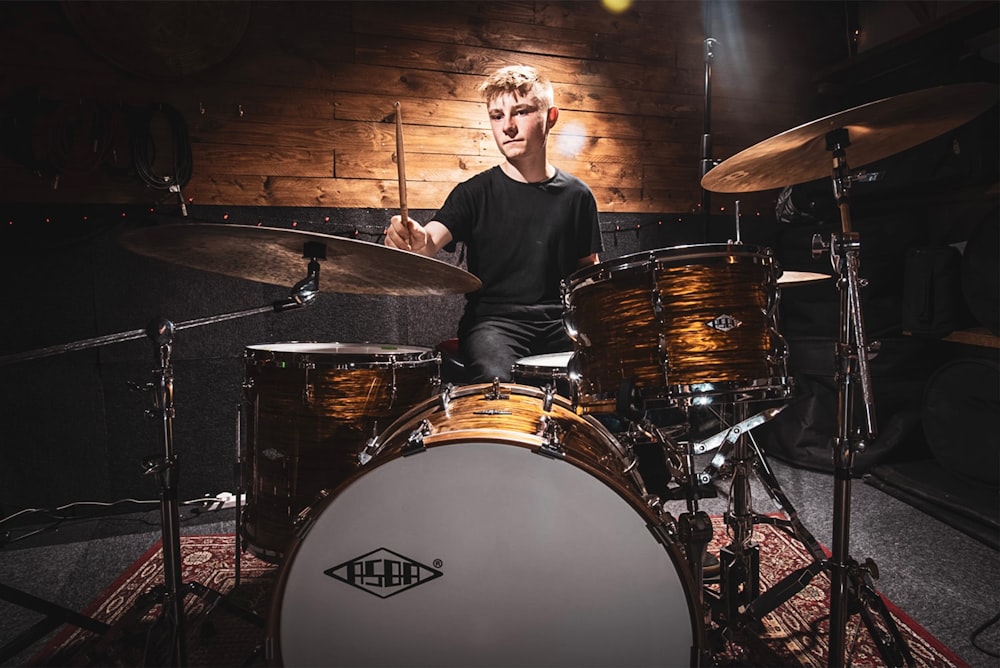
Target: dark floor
946	580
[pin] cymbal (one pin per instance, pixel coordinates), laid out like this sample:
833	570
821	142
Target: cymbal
275	256
876	130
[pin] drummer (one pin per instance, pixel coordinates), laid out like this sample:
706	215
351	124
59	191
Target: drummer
525	224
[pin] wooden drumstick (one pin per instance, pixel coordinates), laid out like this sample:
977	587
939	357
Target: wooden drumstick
401	170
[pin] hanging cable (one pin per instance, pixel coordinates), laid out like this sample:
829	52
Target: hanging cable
144	151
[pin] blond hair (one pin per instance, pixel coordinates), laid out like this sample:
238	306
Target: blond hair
519	79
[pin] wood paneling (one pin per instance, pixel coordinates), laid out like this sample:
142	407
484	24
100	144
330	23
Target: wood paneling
300	113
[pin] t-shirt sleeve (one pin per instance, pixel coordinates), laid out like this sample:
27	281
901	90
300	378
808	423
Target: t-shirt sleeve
589	233
456	214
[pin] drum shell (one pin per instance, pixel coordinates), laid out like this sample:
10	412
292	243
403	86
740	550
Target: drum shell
311	408
689	324
468	422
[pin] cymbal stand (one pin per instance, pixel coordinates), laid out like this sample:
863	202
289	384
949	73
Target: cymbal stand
165	470
852	366
851	588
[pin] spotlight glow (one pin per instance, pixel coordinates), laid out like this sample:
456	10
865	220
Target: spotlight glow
616	6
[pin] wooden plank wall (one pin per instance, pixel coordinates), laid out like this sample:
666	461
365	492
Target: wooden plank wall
291	104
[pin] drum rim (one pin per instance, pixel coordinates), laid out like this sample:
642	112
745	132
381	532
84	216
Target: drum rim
629	262
339	355
523	363
757	389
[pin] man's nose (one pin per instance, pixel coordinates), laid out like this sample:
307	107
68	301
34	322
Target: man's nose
511	127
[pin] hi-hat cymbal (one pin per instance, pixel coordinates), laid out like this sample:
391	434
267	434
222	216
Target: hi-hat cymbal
276	256
876	130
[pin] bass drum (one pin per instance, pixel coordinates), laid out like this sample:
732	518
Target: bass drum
492	526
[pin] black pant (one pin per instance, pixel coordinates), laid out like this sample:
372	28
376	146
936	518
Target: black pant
492	344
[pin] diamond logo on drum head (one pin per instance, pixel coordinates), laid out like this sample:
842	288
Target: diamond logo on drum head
383	573
724	323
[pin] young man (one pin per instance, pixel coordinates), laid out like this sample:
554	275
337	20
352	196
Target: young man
526	225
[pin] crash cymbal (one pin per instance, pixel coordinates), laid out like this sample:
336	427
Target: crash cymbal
275	256
876	130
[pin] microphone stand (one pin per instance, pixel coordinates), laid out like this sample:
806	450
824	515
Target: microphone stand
707	162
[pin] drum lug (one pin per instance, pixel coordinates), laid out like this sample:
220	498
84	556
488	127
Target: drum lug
549	398
415	442
308	388
306	518
394	387
366	453
552	436
495	392
569	323
445	397
665	533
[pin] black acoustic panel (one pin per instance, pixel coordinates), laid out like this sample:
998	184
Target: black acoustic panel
52	432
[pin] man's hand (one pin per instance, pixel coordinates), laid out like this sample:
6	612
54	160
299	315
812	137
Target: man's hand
409	236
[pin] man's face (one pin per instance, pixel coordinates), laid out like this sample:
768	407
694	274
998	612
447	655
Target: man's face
519	124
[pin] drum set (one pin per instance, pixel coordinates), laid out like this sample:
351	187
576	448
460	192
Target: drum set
417	522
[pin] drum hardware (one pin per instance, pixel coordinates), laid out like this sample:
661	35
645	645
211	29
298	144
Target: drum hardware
415	441
795	157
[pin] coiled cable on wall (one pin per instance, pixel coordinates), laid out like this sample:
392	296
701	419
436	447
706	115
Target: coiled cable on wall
80	136
145	150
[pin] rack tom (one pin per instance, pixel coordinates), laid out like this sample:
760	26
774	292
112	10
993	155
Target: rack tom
676	326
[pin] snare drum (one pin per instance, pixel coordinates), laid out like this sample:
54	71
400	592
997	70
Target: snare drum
312	406
491	526
684	325
541	370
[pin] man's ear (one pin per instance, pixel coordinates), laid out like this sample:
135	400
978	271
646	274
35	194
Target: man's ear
552	117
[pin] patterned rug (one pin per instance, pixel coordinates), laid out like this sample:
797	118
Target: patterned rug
232	634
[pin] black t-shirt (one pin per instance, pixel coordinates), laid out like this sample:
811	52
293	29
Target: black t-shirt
521	239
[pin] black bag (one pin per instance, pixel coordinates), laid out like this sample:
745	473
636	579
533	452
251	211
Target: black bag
933	304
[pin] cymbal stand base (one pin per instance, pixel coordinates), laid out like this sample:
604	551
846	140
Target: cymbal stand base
55	616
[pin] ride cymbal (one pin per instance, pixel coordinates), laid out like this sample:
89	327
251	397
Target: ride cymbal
875	130
280	257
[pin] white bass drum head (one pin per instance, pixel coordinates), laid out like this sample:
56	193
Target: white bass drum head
480	554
